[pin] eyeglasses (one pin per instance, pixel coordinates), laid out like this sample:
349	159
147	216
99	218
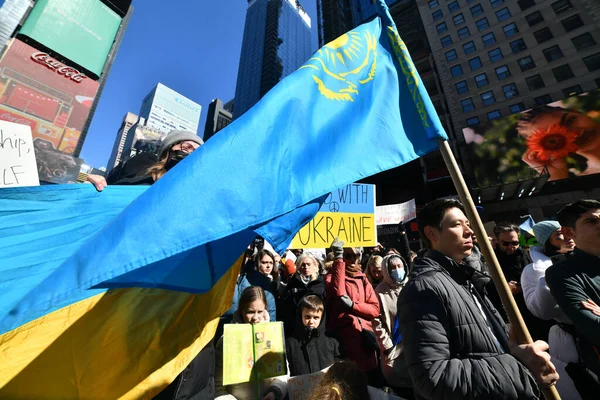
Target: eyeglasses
187	147
509	243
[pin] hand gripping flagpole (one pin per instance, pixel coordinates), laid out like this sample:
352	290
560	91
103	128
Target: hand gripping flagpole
517	324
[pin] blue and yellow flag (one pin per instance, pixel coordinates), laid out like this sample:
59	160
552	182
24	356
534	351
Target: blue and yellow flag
112	294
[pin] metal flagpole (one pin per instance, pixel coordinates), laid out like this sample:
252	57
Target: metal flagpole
516	320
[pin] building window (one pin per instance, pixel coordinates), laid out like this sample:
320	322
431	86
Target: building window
488	98
526	63
437	15
542	100
543	35
462	87
464	33
495	55
583	41
458	19
475	63
496	3
503	14
525	4
492	115
433	4
467	105
534	18
535	82
518	46
488	39
510	29
552	53
473	121
453	6
482	24
592	62
481	80
446	41
502	72
562	73
510	90
572	23
441	28
451	55
476	10
469	47
572	91
456	70
561	6
515	108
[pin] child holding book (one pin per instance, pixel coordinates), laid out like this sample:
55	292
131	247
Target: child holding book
308	348
252	309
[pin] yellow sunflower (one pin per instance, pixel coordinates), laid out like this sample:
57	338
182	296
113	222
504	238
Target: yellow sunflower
553	143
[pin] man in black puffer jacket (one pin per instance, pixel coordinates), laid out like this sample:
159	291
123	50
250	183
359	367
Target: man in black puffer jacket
455	343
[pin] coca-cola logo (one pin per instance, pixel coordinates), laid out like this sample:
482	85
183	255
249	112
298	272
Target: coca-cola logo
60	68
12	118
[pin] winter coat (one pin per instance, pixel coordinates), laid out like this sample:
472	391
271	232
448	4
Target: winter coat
294	291
393	364
449	347
540	302
310	351
246	391
345	323
243	283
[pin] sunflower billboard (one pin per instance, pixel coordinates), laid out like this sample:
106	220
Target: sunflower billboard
563	137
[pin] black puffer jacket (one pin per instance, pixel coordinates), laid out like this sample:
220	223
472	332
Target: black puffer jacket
310	351
449	348
295	290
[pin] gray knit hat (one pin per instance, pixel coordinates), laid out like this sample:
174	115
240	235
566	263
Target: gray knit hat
175	137
543	230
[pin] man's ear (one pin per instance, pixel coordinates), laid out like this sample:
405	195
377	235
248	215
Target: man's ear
568	232
431	233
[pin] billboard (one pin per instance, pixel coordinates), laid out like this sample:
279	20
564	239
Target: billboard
81	30
563	137
54	99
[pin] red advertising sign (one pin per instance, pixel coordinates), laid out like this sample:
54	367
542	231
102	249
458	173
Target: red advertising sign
51	97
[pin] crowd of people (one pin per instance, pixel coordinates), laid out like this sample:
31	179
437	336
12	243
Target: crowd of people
426	326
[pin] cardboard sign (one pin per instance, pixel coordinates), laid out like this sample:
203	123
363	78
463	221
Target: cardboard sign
301	387
395	213
348	213
17	156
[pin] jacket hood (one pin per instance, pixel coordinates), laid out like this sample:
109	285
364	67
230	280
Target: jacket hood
302	333
386	274
537	254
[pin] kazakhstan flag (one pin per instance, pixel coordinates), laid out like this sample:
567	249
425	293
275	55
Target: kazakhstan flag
112	294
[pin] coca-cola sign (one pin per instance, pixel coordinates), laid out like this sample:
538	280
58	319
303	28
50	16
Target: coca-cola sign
55	65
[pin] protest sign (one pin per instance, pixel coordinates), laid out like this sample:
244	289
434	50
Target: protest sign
395	213
348	213
301	387
17	157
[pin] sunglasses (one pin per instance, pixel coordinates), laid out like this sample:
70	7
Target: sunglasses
509	243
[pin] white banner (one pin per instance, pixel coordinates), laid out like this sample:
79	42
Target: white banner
394	213
17	156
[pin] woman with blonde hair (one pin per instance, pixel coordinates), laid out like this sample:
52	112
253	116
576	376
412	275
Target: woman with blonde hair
373	270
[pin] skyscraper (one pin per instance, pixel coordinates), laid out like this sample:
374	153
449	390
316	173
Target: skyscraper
165	110
218	118
336	17
276	42
117	152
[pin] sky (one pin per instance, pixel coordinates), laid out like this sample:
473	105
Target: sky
192	46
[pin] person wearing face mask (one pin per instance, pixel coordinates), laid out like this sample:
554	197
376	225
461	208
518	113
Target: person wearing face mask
252	309
306	280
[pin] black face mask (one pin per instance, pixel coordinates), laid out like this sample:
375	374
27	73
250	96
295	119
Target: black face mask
174	158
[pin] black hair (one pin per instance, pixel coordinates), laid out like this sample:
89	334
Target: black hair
570	213
504	227
433	214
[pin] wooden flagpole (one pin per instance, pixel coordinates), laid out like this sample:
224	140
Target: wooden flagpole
516	320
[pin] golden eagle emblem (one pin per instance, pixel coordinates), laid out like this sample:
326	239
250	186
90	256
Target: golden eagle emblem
347	62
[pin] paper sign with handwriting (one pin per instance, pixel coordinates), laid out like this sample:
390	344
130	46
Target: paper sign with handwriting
394	213
17	156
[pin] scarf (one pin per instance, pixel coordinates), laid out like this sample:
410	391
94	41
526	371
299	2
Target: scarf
353	269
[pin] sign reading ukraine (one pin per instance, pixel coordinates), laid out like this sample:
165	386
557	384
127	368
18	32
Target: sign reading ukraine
348	213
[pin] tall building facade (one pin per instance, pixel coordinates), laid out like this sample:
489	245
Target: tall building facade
336	17
276	42
116	155
165	110
218	118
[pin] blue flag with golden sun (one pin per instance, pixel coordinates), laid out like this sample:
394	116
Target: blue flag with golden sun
112	294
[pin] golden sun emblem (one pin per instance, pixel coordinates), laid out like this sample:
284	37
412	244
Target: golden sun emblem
347	62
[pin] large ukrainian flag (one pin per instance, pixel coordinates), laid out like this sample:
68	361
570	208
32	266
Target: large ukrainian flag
110	295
